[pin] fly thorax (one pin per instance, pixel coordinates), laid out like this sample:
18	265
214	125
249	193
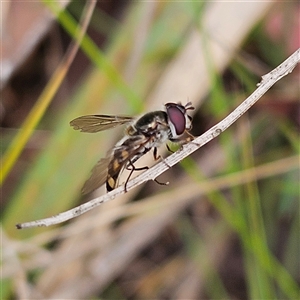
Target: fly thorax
131	130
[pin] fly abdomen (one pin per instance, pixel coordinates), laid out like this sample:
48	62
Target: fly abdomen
111	182
115	167
123	158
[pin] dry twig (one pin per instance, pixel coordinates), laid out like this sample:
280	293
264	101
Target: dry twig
267	82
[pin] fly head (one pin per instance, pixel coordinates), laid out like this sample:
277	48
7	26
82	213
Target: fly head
178	119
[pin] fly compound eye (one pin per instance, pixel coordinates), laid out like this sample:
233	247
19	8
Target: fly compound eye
176	115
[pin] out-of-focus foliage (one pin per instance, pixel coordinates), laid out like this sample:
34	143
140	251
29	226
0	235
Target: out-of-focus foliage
214	232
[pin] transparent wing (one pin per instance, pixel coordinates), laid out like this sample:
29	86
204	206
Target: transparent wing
98	176
95	123
115	162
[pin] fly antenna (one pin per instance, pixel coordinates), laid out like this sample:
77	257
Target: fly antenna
189	106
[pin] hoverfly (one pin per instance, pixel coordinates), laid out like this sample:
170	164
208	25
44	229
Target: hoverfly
141	135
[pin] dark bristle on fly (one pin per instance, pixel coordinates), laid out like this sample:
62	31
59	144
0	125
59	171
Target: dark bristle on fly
189	106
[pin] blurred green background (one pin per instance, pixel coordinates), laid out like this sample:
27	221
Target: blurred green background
227	226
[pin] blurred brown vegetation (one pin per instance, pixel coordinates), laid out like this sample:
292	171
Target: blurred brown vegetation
157	242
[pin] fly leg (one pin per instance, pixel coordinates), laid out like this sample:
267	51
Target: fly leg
157	157
182	141
190	138
169	149
131	167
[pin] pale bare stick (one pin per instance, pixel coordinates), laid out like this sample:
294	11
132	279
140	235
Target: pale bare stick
267	82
